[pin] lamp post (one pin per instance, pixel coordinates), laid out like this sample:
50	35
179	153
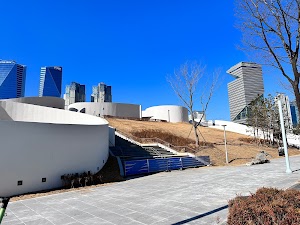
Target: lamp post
169	115
3	205
286	154
225	142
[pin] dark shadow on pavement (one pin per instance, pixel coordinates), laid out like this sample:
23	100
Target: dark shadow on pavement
201	215
296	170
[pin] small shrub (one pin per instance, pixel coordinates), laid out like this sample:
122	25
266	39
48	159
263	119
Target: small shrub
258	141
268	206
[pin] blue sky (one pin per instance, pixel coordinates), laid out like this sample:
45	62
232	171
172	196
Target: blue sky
131	45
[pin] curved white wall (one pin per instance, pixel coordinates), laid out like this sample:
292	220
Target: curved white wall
293	140
108	109
47	143
39	114
169	113
52	102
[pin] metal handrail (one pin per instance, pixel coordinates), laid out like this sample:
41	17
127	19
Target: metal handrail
157	140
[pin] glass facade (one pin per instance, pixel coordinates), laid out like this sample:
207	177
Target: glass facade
74	93
294	112
12	79
50	81
101	93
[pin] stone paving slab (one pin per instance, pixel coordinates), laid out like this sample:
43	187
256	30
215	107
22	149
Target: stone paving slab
192	196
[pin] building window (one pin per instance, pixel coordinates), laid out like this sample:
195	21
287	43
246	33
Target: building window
44	179
20	182
73	109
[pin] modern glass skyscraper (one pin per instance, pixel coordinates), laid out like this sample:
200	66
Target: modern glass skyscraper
74	93
247	87
12	79
294	113
101	93
50	81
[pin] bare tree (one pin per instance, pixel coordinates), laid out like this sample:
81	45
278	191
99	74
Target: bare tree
272	29
185	83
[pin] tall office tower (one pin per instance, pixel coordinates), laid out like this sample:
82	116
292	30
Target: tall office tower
247	86
101	93
74	93
286	110
294	113
50	81
12	79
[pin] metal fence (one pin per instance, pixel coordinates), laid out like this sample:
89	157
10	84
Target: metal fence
145	166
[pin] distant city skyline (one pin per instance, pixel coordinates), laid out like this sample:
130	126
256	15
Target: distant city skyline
130	45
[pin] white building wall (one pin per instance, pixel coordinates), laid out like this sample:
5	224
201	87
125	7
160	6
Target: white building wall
108	109
52	102
32	151
40	142
40	114
169	113
112	136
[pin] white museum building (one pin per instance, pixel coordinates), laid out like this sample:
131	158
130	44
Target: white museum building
40	142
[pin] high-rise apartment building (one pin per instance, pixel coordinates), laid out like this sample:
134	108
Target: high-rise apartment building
286	110
74	93
247	86
294	113
12	79
50	81
101	93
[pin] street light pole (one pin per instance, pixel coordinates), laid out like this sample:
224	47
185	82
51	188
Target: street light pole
286	154
3	205
225	142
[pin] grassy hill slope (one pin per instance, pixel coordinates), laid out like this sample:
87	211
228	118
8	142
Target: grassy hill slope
240	152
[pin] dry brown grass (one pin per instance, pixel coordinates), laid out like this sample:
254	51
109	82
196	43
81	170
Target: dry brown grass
239	151
167	137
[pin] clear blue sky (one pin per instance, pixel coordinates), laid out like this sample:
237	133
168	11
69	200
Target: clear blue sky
131	45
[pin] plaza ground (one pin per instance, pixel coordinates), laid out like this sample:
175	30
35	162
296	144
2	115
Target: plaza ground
192	196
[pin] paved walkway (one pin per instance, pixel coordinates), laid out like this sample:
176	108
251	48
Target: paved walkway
193	196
